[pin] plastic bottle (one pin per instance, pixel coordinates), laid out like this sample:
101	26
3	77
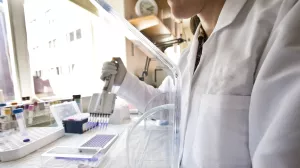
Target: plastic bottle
77	99
14	105
21	123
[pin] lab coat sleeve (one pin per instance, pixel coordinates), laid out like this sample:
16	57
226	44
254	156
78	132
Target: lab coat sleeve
274	117
139	93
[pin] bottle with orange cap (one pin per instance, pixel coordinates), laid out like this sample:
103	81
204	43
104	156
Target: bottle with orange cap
14	105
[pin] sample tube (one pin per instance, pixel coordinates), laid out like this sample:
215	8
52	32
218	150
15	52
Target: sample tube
47	107
77	99
1	96
2	106
20	119
48	112
8	114
30	114
36	108
7	111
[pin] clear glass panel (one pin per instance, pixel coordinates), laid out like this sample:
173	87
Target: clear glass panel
157	142
152	142
6	83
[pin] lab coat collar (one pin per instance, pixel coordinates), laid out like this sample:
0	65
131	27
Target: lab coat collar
229	12
194	45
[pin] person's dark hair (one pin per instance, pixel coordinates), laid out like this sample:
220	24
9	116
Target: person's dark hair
194	23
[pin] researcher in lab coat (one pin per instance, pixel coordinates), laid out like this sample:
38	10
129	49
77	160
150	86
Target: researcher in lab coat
241	84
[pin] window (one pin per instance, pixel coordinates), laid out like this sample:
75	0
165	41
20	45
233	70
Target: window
50	44
74	66
35	48
58	70
48	16
54	43
72	36
38	73
78	34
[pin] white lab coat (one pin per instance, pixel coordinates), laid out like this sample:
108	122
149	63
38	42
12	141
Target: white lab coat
241	107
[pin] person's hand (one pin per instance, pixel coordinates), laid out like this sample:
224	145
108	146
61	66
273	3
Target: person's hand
112	68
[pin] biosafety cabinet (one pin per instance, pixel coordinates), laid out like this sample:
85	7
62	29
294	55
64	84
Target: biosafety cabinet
140	40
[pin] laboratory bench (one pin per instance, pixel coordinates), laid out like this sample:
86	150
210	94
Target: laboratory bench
147	147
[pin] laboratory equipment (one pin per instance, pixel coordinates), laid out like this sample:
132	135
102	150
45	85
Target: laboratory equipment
7	111
101	141
68	115
2	107
99	121
94	101
77	124
61	152
165	44
14	105
90	153
26	100
107	101
36	107
30	114
104	103
7	121
40	108
1	96
64	110
14	149
146	69
21	123
120	112
77	99
4	135
25	110
173	100
47	111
